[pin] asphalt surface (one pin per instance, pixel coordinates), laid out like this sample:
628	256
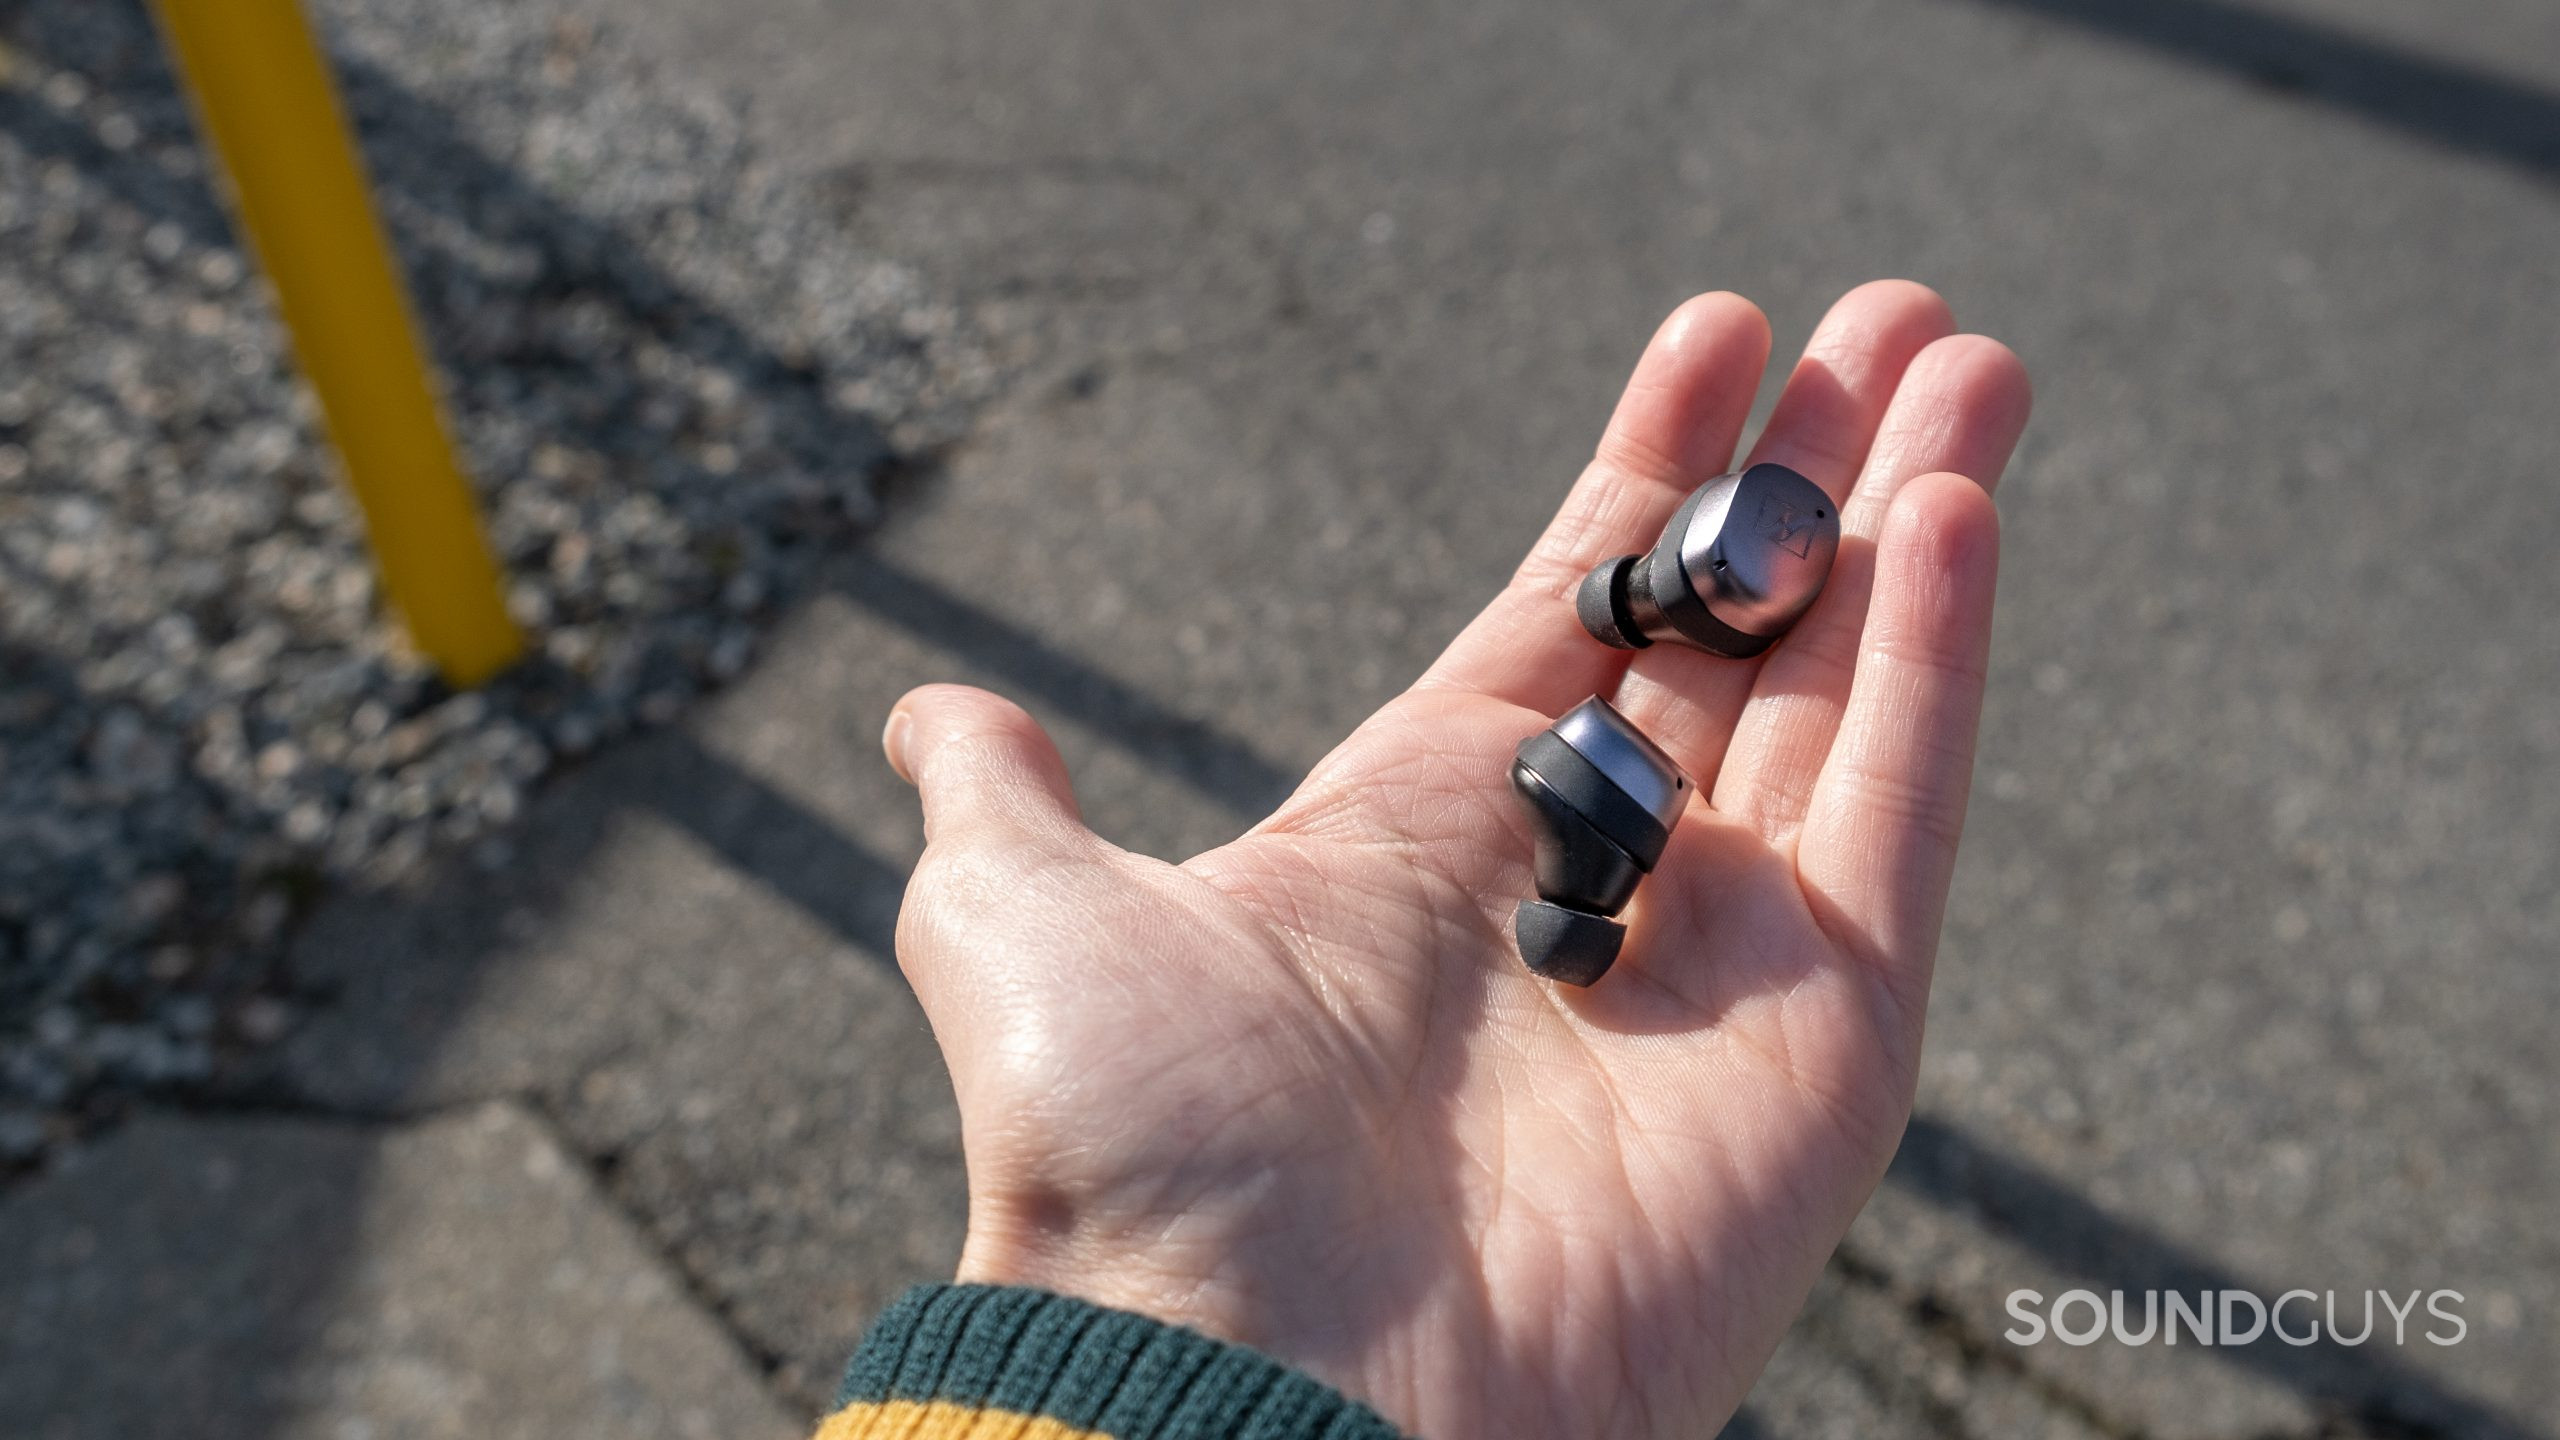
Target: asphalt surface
1314	308
2250	957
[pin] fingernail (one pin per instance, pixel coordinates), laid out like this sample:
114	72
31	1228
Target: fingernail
893	742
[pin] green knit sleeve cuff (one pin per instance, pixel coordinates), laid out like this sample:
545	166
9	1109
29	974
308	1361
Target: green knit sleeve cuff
958	1362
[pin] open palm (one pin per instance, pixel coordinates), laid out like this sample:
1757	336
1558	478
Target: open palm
1300	1093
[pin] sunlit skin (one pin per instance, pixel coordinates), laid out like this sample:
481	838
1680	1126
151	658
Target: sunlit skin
1299	1092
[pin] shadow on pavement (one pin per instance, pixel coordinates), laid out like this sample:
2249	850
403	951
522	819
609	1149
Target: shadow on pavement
273	1270
1744	1426
766	834
2451	104
1217	766
1943	1165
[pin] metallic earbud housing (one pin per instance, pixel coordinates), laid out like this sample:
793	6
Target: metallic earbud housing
1742	559
1602	799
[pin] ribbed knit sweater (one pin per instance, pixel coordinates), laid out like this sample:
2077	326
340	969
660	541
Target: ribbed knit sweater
975	1362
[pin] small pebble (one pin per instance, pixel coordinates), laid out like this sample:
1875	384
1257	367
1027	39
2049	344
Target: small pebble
652	347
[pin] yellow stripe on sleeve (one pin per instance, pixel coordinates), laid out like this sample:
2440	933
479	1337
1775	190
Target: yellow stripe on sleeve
943	1420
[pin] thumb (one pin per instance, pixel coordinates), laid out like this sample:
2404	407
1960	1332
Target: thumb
985	770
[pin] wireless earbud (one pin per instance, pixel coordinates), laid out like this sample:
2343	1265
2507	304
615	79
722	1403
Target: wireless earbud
1602	799
1739	562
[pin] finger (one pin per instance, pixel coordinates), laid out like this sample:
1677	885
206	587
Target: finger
1879	840
1961	408
1006	859
1675	426
985	770
1825	421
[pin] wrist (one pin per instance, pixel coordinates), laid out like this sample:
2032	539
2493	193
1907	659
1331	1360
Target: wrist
1242	1257
969	1361
1100	1269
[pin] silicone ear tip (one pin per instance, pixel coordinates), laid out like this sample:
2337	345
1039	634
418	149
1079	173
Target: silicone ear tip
1602	605
1572	946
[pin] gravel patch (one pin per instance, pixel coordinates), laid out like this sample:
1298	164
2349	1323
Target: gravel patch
676	386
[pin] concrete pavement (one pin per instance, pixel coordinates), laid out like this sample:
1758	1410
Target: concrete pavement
1315	307
2250	953
290	1276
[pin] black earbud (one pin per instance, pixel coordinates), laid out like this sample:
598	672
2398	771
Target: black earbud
1739	562
1601	798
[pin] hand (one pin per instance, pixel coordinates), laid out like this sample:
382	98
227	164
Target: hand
1299	1092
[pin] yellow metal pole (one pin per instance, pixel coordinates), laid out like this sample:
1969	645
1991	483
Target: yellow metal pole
262	91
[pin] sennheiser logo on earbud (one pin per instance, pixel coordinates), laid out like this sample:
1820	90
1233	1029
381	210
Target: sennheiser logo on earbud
1785	526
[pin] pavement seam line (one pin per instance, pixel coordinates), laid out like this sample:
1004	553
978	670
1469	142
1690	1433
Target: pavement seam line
597	1172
